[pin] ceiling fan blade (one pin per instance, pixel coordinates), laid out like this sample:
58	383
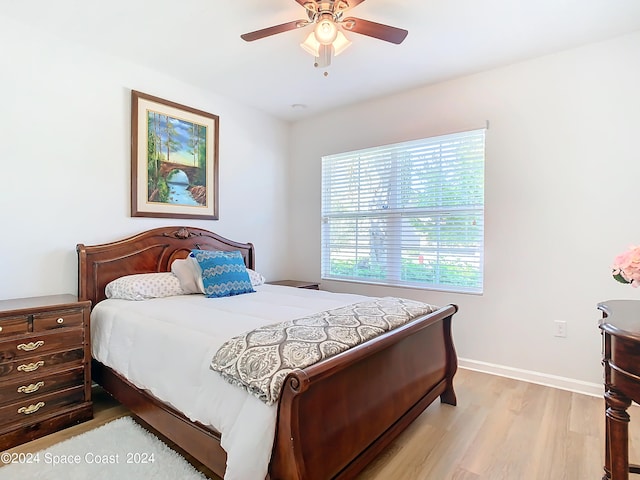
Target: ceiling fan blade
353	3
267	32
375	30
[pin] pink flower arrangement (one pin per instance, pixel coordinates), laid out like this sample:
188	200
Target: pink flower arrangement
626	267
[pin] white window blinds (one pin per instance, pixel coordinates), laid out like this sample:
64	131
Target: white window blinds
408	214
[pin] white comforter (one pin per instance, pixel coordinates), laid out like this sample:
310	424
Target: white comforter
165	346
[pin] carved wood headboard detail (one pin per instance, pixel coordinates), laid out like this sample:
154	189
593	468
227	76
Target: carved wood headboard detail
148	252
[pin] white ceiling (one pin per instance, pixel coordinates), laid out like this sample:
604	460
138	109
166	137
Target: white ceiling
198	42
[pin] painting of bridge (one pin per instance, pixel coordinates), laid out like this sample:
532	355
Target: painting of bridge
175	164
177	160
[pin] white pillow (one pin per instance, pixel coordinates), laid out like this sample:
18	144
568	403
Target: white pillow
197	271
255	277
189	274
143	286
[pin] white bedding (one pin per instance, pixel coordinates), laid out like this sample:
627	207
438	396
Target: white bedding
165	345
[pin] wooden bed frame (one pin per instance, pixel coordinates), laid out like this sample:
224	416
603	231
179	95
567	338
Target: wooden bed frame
334	417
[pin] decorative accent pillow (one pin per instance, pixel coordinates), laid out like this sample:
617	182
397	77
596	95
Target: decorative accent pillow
223	273
143	286
256	278
189	273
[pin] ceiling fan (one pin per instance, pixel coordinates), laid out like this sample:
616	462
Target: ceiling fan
327	37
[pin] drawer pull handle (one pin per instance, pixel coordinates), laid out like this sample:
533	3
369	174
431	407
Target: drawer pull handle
30	367
31	346
31	408
34	387
0	329
60	320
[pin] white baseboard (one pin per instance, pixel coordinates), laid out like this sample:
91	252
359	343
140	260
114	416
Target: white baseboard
578	386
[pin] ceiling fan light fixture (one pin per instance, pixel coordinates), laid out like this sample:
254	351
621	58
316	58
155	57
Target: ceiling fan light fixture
326	30
311	45
340	44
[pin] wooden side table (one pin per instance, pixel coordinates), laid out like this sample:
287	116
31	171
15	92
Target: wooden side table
297	284
620	325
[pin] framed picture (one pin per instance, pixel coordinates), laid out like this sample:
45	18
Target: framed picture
174	160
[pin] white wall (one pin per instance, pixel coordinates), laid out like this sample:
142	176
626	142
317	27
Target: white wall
562	170
65	130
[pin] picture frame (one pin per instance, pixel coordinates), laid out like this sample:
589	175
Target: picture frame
174	159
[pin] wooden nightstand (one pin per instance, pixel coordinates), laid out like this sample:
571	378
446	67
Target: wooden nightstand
45	366
297	284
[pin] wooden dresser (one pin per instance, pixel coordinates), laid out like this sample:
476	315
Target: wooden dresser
45	366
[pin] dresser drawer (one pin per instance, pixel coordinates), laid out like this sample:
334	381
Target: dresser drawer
34	407
13	326
23	347
55	320
42	364
35	386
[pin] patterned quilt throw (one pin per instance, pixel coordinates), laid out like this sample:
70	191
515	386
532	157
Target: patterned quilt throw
261	359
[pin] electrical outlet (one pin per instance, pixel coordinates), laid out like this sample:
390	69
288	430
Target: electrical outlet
560	328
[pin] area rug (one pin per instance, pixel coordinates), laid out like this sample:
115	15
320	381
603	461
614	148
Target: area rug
119	450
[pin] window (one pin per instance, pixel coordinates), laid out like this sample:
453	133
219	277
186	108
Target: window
408	214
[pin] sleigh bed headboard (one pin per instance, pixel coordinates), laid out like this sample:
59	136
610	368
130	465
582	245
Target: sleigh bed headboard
148	252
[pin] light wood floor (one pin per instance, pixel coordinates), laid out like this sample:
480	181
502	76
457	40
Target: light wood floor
501	429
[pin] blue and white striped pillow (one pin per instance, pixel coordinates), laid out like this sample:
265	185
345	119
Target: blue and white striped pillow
223	273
